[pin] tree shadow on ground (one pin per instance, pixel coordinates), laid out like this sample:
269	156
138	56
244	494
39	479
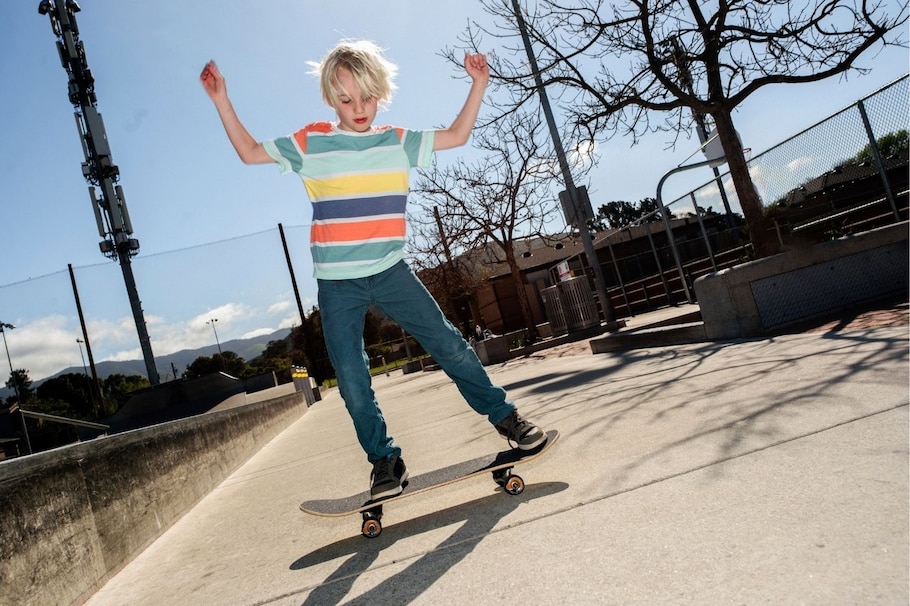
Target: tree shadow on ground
747	394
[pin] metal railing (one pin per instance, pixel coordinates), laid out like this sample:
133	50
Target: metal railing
845	174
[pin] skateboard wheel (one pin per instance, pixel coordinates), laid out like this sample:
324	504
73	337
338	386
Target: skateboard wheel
514	485
371	528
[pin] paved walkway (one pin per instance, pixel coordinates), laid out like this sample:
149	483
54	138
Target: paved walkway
771	471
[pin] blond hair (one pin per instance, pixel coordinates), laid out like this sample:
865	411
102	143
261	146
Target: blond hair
372	72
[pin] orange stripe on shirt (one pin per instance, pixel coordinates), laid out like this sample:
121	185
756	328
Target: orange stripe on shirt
316	127
329	233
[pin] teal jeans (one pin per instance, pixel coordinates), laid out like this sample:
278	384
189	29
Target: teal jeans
402	297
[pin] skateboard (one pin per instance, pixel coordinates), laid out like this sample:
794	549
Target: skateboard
499	464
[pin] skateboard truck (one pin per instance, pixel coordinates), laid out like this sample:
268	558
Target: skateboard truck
371	527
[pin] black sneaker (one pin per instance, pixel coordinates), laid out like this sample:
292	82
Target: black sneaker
387	477
523	434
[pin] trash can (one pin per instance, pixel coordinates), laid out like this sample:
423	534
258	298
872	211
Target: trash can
553	307
302	383
578	306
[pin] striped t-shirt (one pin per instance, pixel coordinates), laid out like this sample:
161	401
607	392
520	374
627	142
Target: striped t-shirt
358	184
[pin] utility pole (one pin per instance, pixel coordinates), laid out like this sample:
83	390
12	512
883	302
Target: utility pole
95	384
571	191
99	170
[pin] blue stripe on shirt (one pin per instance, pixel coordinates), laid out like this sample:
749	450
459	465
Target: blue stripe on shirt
359	207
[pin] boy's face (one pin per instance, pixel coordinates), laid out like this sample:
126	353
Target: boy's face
355	114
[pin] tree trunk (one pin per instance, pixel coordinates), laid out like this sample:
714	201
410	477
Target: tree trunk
761	231
522	294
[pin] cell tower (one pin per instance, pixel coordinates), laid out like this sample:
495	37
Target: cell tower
99	170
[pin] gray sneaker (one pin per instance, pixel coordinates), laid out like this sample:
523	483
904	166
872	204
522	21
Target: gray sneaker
387	477
522	434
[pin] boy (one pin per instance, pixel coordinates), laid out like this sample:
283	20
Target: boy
356	175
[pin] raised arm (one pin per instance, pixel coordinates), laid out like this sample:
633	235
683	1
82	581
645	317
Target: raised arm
460	130
248	149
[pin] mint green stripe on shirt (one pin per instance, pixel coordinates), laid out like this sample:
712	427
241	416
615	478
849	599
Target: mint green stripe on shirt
325	166
342	253
419	148
319	143
285	153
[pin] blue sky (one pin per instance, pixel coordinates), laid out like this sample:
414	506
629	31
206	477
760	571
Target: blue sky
186	188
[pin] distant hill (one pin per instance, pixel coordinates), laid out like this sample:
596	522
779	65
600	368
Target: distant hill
247	349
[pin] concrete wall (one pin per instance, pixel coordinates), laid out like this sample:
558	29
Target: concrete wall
72	517
495	350
770	294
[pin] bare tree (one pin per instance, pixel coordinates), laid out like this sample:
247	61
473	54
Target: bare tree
490	203
452	279
612	65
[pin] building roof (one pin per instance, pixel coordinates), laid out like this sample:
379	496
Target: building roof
537	254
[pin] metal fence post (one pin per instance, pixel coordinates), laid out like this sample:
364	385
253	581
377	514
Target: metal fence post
704	232
877	157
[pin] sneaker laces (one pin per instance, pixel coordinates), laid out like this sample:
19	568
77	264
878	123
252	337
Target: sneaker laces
382	469
514	425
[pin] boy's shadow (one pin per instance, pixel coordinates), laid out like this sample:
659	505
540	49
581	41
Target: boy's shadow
480	516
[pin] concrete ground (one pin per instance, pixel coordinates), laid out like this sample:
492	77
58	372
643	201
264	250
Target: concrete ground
768	471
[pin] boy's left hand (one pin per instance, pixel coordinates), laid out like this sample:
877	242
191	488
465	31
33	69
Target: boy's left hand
476	66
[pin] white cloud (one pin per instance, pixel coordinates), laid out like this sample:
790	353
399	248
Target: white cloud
584	154
279	307
685	211
710	191
223	314
126	355
43	347
801	163
47	345
259	332
290	321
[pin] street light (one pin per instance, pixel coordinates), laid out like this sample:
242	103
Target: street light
212	322
12	379
25	441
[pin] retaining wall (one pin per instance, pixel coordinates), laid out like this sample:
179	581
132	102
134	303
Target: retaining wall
768	295
70	518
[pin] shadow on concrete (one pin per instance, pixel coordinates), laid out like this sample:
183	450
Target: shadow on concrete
480	517
733	426
614	362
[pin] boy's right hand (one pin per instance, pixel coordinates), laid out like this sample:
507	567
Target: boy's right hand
477	68
248	149
212	81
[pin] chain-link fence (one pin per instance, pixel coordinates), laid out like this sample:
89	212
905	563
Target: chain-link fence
845	174
205	296
830	167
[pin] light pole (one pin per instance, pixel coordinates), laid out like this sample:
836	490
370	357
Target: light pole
212	322
12	378
91	392
600	285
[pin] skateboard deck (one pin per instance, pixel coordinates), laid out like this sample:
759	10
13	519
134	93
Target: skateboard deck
500	464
